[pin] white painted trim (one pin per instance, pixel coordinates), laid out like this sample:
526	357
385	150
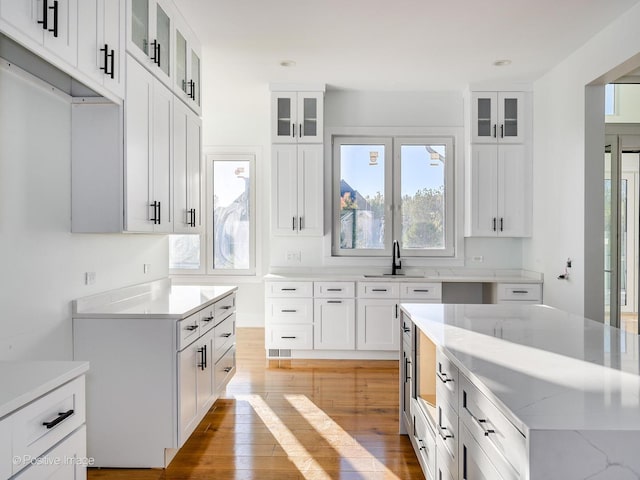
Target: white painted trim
297	87
12	68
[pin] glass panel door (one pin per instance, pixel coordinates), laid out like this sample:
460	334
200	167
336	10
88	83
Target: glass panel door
510	117
195	76
283	108
181	61
310	117
140	24
484	117
163	33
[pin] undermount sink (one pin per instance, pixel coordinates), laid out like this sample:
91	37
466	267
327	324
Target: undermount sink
389	275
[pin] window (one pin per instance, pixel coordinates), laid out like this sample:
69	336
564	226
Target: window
610	99
393	188
230	221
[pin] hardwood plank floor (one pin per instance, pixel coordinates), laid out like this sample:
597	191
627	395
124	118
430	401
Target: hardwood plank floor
294	419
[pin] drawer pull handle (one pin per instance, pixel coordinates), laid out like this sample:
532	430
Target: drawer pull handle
407	369
288	289
520	291
481	422
61	417
406	329
228	369
423	446
443	377
191	328
443	435
226	307
378	289
421	290
208	319
288	311
334	289
226	335
289	338
334	301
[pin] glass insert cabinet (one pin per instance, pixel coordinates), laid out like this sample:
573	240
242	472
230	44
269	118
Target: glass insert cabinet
497	117
298	117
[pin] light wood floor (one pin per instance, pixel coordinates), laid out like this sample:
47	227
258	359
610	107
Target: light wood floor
306	420
629	322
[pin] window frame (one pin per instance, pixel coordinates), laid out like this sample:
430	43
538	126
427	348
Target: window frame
392	189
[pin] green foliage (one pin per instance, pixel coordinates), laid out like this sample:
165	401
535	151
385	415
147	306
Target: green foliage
423	219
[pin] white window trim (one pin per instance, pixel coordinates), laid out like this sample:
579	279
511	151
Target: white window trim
457	133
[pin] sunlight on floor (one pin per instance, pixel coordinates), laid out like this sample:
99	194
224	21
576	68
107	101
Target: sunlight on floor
334	434
298	455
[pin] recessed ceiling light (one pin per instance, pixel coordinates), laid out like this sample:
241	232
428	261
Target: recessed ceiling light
502	63
287	63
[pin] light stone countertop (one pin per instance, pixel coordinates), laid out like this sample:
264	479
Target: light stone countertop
545	368
156	300
23	382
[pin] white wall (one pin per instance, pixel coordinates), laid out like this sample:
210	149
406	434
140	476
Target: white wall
43	264
568	153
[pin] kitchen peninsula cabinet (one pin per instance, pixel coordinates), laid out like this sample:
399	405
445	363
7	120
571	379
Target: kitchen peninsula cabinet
491	420
160	356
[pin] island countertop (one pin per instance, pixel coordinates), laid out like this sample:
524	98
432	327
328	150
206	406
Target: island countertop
547	369
154	300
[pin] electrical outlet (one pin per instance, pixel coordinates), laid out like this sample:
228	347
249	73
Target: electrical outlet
294	256
146	268
478	258
89	278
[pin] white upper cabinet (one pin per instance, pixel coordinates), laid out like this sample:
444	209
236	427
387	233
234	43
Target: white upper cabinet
150	36
497	117
101	40
49	23
187	132
298	117
148	132
187	66
297	177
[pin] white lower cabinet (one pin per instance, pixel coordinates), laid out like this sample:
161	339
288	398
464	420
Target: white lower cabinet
377	326
474	463
334	324
425	440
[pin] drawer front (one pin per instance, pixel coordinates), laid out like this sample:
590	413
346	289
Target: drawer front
421	291
289	310
68	460
447	429
497	436
334	289
188	330
426	441
474	463
289	289
447	380
225	368
406	326
45	422
295	337
378	290
446	466
224	336
207	320
531	292
224	307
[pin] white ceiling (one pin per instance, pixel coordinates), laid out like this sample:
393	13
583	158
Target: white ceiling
394	45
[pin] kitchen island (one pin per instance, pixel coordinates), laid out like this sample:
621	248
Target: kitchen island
160	356
519	392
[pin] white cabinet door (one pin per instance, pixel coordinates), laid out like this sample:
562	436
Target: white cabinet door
297	181
310	117
310	190
298	117
186	169
205	372
514	196
483	195
484	117
50	23
377	327
187	392
285	189
511	127
139	97
334	324
284	122
161	166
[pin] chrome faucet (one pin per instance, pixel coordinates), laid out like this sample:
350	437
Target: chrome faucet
396	263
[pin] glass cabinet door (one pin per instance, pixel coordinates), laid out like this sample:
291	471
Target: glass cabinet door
195	77
310	117
140	24
181	61
485	117
163	34
284	124
511	129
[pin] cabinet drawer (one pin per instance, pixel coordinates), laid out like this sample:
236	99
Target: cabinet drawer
497	436
43	423
447	430
406	330
426	441
446	380
446	466
289	289
289	310
206	320
224	307
334	290
225	336
67	460
421	291
474	463
290	336
225	368
531	292
188	330
378	290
